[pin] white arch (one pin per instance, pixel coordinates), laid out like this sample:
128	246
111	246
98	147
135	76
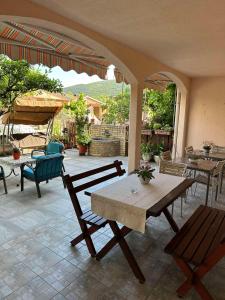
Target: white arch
182	104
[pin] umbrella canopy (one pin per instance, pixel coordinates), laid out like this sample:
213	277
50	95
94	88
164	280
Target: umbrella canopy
40	46
35	108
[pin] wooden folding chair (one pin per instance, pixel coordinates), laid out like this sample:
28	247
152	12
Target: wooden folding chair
197	247
90	222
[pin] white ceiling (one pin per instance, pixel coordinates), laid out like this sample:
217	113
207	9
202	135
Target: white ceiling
188	35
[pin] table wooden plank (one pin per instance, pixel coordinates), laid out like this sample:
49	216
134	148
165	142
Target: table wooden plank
208	241
218	238
157	208
199	237
170	248
199	165
191	233
213	155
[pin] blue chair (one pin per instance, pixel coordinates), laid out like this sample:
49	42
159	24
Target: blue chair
47	167
51	148
2	177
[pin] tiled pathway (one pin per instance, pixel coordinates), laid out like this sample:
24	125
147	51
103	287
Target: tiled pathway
37	262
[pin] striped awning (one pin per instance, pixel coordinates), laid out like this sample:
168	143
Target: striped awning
157	81
41	46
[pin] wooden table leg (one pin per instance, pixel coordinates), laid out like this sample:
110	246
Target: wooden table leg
193	281
221	181
170	219
207	189
124	231
127	252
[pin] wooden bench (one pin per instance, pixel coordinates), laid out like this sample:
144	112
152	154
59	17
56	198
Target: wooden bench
197	247
88	218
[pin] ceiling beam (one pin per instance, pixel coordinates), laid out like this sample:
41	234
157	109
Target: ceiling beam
48	45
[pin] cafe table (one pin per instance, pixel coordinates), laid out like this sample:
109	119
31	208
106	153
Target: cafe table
201	165
213	155
131	203
12	163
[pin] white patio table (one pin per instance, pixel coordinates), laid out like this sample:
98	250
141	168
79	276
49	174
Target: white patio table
130	203
12	164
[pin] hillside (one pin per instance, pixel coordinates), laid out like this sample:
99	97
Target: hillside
97	89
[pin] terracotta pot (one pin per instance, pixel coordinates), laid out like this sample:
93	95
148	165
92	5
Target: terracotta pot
82	149
16	155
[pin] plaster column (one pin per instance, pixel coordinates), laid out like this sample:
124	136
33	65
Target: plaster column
176	125
182	124
135	125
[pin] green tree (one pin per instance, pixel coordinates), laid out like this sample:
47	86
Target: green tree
117	108
79	110
160	106
18	77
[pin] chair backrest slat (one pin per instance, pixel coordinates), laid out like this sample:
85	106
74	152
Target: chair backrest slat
94	182
176	169
166	155
189	149
116	164
219	168
219	149
69	180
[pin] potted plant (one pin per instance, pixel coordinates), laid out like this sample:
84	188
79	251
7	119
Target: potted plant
207	147
157	127
16	153
145	173
146	151
157	149
83	140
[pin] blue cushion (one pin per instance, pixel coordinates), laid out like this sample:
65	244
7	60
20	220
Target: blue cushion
28	173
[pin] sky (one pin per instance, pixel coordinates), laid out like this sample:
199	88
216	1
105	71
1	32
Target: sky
71	77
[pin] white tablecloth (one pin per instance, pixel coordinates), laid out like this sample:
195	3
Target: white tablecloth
127	200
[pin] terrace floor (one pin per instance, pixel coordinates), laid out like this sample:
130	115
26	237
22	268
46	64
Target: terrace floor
37	261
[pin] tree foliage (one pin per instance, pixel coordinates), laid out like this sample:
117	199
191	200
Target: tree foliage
18	77
160	107
116	108
78	109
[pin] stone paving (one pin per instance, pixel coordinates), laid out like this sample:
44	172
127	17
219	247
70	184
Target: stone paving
37	261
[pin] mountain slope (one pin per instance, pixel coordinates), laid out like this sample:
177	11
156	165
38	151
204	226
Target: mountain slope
97	89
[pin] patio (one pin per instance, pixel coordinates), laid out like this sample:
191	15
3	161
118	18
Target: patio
37	261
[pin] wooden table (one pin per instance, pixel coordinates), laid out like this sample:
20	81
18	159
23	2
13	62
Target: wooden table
107	202
198	247
212	155
206	166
